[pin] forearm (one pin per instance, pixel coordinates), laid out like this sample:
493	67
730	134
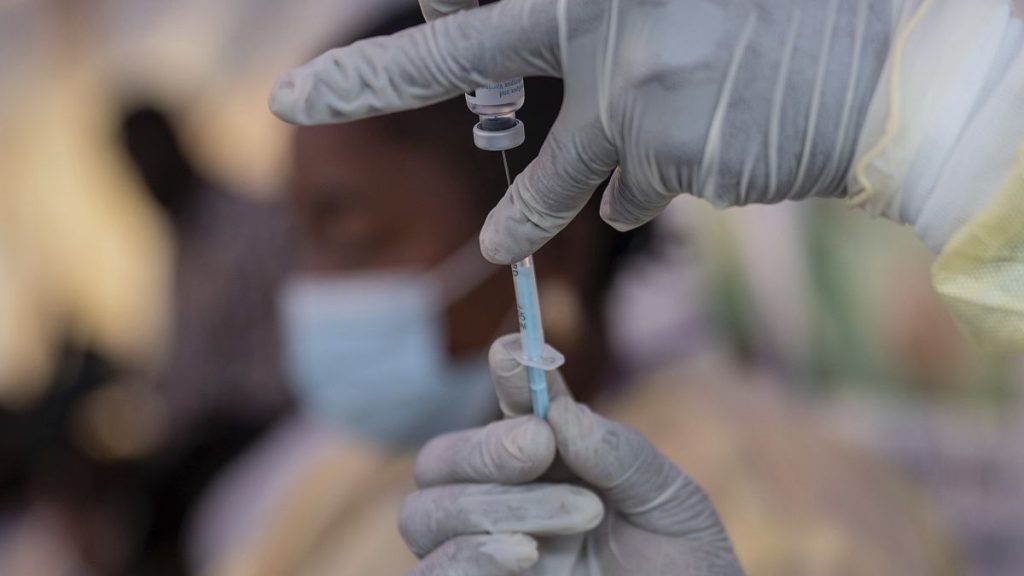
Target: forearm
944	125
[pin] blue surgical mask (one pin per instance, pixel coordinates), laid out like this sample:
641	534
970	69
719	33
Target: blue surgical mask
368	353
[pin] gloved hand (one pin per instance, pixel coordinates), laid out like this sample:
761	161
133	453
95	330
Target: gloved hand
490	502
735	101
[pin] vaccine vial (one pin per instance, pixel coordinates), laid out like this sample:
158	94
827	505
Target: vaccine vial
498	99
496	106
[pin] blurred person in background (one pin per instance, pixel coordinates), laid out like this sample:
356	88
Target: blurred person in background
386	324
102	468
81	310
100	454
230	256
73	496
220	383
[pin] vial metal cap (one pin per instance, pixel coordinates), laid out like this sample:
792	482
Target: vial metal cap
498	140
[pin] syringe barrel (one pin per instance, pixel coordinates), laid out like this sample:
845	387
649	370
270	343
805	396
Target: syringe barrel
531	332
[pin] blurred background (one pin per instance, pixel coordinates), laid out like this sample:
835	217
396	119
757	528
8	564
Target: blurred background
146	231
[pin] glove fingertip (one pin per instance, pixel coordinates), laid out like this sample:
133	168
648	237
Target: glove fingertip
567	415
509	376
613	217
619	225
285	99
484	554
591	510
532	445
578	435
503	363
278	98
496	239
515	228
516	552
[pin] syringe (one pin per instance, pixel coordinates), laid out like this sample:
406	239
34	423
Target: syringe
499	130
531	331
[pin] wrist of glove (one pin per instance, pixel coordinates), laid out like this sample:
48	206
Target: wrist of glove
577	494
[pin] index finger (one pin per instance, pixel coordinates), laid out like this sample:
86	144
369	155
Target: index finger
421	65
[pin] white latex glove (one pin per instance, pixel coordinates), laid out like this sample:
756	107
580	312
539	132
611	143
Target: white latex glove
610	505
735	101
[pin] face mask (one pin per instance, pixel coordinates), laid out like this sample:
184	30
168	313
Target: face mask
368	353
